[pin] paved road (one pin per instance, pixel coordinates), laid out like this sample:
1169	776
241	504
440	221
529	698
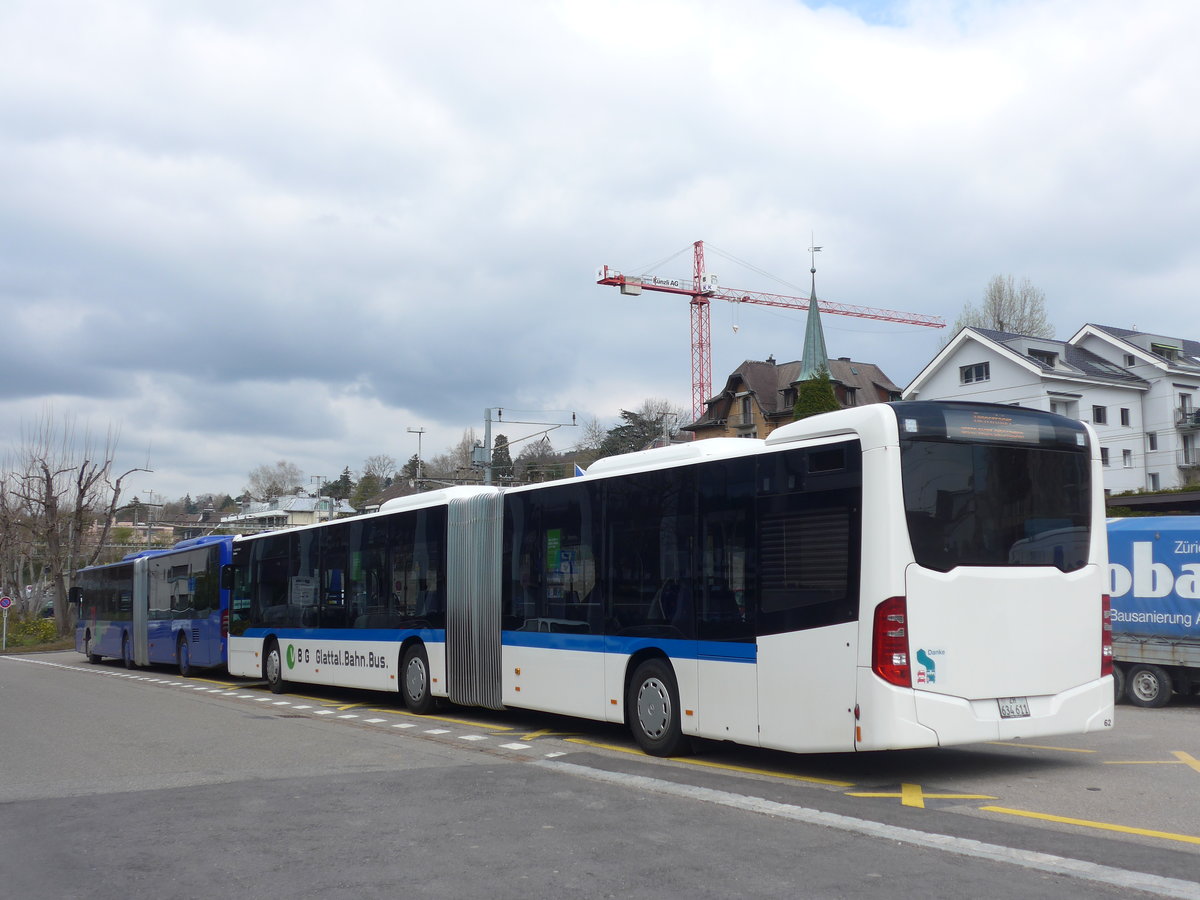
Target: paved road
153	785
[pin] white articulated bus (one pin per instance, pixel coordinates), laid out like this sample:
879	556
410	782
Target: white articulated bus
858	580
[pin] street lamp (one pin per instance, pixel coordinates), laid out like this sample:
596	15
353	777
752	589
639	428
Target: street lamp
418	431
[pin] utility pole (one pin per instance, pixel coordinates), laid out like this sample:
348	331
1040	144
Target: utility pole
418	431
483	454
320	480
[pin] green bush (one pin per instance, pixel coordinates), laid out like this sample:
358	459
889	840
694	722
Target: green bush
29	632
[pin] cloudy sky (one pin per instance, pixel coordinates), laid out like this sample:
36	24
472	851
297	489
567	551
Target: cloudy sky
245	232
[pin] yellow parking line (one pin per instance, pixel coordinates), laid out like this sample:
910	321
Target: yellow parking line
811	779
453	721
914	795
1181	759
1040	747
633	751
1187	759
1086	823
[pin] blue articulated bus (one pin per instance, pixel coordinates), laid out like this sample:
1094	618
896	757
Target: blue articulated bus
157	607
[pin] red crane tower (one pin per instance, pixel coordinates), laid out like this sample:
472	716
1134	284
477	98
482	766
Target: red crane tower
704	288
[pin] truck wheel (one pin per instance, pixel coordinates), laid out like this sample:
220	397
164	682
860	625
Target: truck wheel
1118	683
1148	686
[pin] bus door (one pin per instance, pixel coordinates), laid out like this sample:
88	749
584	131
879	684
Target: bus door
140	617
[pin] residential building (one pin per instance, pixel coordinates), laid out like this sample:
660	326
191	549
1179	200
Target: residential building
1140	392
759	396
288	512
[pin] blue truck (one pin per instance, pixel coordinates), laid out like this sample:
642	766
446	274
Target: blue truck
1154	584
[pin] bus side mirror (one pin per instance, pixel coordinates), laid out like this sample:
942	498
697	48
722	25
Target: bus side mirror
75	595
227	574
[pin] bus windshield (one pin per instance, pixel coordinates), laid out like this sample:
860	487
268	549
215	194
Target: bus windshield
984	487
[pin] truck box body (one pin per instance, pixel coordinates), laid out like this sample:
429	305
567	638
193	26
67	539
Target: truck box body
1154	583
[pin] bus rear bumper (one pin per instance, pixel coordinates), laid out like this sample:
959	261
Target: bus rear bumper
1083	709
896	718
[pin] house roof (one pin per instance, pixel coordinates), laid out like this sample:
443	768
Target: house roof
767	380
399	488
1083	362
1073	361
1188	360
285	505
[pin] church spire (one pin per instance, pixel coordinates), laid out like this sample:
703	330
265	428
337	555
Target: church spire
815	357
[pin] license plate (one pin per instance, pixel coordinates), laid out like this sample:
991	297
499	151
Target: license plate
1013	707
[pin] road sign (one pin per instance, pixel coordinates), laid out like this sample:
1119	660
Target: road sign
5	602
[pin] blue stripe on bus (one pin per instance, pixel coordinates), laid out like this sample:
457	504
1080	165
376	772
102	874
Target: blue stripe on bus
720	651
386	635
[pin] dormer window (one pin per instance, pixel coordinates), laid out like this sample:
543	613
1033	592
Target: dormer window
1045	357
1166	351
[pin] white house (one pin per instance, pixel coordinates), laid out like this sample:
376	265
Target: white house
1139	391
288	512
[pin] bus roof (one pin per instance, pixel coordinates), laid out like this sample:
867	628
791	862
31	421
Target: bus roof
693	451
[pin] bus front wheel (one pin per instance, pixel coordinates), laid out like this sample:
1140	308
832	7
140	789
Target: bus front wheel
414	680
93	658
273	668
653	709
1148	686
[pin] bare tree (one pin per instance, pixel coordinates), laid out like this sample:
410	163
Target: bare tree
68	500
270	482
15	544
382	466
1006	306
538	462
593	435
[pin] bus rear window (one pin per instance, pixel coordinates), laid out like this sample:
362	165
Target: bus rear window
990	504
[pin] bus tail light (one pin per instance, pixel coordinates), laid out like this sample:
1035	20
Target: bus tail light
1106	647
889	645
224	623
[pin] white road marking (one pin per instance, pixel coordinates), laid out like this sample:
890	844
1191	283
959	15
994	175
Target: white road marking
1028	859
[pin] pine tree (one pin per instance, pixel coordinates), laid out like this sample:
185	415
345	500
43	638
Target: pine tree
502	464
342	488
368	486
815	396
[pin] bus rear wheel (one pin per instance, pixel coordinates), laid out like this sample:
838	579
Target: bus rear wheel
273	668
1148	686
653	709
183	656
414	680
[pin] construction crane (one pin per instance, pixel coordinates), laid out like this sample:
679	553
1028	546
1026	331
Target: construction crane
704	288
